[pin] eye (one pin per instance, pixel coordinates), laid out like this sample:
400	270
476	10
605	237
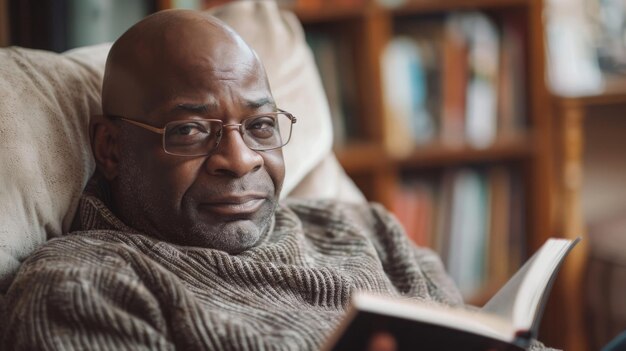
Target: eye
263	122
263	127
187	133
188	129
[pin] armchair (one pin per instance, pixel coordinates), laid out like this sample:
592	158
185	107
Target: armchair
46	101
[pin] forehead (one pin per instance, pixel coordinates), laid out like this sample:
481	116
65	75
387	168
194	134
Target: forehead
235	72
219	92
217	71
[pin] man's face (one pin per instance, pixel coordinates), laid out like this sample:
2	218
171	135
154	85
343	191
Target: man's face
225	200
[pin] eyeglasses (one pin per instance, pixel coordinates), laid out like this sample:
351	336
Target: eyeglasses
199	137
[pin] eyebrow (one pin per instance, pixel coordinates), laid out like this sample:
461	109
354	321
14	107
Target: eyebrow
207	108
256	104
196	108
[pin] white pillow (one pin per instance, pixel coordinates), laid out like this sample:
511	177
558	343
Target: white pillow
45	103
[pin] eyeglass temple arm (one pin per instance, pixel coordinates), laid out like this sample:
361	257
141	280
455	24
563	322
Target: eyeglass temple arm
291	117
139	124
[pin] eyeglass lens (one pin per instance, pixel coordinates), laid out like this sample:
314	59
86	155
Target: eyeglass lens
199	137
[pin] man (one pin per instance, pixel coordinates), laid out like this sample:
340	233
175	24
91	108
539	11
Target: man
180	241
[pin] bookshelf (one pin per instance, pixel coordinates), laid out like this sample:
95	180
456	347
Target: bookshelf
377	170
525	153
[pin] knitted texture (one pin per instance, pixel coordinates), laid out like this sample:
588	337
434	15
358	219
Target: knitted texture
110	287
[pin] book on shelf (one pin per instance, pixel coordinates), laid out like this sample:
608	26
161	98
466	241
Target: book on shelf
482	88
455	79
413	205
500	200
410	86
333	54
444	207
511	79
408	121
472	217
324	53
467	242
509	321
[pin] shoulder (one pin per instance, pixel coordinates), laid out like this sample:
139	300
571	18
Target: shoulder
332	212
76	265
369	223
89	247
77	259
74	285
347	220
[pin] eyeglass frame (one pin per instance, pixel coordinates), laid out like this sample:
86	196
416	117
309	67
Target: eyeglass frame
162	130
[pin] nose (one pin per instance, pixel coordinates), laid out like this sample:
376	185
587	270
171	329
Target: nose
233	157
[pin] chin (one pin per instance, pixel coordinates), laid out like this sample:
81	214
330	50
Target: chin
232	237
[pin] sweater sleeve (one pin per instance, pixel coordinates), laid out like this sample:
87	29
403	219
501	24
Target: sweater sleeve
62	299
416	271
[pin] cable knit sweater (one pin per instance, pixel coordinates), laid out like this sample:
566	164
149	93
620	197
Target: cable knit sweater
108	287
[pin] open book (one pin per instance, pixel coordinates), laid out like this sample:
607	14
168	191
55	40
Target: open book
507	322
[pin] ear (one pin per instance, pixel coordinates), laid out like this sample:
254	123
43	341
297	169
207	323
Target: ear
104	145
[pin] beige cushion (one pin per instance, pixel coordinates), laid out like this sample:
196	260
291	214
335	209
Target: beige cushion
45	102
327	180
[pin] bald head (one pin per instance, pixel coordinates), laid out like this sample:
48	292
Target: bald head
185	77
172	43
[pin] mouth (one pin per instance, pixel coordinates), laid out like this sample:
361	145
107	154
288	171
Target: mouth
234	205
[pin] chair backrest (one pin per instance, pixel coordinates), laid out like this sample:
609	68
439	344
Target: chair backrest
45	103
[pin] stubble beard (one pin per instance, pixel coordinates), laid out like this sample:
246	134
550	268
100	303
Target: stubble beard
235	236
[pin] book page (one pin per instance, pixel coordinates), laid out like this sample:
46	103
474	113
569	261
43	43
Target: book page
521	299
503	302
534	291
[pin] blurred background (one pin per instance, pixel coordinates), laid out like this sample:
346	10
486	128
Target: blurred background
486	126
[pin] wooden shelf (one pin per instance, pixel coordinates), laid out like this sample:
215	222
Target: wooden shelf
608	98
614	94
361	157
329	13
367	157
439	155
425	6
335	13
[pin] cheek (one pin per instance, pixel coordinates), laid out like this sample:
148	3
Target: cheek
275	166
177	175
170	177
